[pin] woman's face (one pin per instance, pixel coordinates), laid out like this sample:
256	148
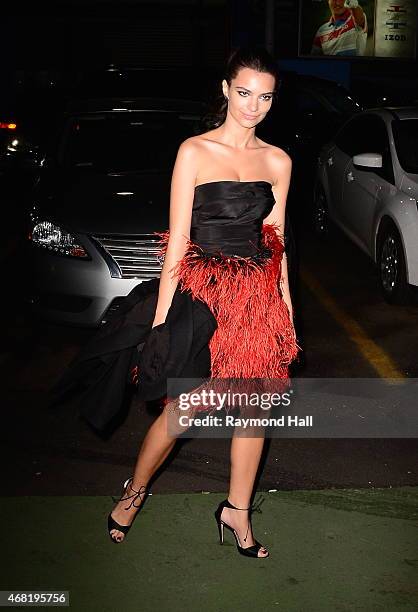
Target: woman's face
250	96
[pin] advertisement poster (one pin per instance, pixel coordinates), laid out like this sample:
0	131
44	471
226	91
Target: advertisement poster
358	28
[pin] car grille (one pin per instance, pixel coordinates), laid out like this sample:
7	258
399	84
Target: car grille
136	256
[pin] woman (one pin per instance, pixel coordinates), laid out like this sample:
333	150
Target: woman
227	211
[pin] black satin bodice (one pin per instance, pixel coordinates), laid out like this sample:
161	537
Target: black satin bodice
228	216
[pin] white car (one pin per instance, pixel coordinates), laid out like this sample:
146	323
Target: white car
367	184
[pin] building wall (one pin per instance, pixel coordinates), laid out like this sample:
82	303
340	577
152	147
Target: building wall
69	34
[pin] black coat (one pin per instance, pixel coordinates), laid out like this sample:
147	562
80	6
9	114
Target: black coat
98	378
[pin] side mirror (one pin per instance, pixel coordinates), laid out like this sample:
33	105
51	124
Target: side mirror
368	160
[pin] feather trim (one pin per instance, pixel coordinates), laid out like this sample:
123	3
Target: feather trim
255	337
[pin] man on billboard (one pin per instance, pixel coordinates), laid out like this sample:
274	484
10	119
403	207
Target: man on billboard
346	31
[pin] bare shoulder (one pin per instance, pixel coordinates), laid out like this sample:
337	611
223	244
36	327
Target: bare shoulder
189	146
187	158
279	164
278	159
192	148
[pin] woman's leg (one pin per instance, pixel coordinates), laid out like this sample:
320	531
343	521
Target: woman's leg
155	448
245	459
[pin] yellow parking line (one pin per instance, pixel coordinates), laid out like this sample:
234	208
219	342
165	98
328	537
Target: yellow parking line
374	354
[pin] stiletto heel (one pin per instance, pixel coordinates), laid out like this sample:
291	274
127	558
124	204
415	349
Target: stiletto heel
221	531
250	551
112	524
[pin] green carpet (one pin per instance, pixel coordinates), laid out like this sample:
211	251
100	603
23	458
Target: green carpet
336	550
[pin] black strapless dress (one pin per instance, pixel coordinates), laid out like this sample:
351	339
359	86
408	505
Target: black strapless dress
233	265
227	319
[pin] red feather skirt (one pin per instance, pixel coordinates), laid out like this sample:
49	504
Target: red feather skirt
255	337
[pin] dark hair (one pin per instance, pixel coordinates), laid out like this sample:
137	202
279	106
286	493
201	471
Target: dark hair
255	57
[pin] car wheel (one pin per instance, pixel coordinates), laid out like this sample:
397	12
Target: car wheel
320	213
391	267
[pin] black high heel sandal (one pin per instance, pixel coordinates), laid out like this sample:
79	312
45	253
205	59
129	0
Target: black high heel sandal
112	524
250	551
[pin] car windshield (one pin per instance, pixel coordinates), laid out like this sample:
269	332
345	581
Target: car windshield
126	141
336	95
405	133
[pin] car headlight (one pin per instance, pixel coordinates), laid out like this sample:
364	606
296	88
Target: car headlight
53	238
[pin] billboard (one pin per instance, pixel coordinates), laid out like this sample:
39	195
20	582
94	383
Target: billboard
358	28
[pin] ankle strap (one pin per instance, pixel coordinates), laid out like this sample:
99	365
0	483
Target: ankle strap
228	504
255	507
142	491
132	489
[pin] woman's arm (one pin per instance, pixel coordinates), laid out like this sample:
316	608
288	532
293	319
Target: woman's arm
281	167
181	204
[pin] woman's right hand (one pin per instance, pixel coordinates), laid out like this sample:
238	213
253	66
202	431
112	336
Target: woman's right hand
157	321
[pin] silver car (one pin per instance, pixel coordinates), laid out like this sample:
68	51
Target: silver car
367	183
102	194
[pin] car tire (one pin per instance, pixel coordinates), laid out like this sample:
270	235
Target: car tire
320	216
391	266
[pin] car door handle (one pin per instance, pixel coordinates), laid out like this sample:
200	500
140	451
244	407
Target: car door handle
350	177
